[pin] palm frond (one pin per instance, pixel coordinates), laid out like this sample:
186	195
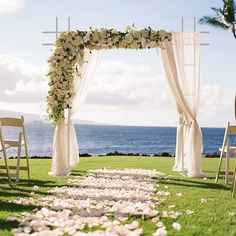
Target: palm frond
221	16
213	21
229	11
218	11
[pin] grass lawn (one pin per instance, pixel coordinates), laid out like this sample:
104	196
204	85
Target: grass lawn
210	218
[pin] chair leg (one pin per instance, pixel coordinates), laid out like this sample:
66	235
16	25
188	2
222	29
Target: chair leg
219	167
7	168
27	160
234	181
18	164
227	167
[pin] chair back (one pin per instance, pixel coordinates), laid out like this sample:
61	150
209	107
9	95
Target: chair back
231	129
1	139
12	122
13	143
15	123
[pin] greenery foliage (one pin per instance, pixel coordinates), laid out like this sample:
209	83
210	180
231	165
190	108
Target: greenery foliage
224	17
68	57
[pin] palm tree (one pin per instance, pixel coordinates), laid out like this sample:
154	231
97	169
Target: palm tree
224	17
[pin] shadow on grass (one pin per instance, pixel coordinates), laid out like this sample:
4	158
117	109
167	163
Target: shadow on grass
14	208
194	183
24	188
78	173
8	225
221	172
19	192
29	183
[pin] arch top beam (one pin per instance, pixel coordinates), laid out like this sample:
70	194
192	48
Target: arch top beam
69	51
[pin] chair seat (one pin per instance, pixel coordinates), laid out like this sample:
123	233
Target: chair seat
15	143
6	147
12	142
231	149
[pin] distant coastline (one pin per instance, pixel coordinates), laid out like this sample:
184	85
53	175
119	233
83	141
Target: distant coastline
110	154
106	140
36	118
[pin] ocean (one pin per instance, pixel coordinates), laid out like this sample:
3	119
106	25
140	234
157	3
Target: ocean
103	139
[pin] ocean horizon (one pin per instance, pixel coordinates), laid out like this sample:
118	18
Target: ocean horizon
103	139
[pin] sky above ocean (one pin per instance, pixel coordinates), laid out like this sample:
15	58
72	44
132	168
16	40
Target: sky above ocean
128	88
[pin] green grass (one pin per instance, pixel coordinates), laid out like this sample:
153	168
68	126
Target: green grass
211	218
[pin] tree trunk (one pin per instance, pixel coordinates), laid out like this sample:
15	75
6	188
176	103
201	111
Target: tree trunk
235	106
234	34
233	31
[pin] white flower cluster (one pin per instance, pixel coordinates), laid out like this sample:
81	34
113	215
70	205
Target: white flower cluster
104	199
99	204
69	52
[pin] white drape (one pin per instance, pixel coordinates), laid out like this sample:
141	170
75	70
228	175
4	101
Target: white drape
181	63
65	145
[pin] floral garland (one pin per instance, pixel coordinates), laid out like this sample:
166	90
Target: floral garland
69	52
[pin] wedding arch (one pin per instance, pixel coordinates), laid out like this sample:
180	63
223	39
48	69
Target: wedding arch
70	69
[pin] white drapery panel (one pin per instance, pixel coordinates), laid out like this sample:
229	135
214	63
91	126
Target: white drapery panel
181	63
65	145
81	85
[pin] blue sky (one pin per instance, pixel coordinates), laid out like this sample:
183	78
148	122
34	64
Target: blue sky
21	24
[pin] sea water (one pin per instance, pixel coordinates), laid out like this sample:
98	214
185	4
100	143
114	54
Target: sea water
102	139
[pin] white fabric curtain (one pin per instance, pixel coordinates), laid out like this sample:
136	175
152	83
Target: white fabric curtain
81	86
181	63
65	145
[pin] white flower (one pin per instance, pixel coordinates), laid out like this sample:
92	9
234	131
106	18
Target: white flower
69	50
134	225
179	194
174	214
189	212
163	193
134	45
129	38
67	210
102	34
86	38
155	219
145	33
12	218
164	214
233	213
136	34
160	232
160	225
95	36
35	187
203	200
176	226
151	44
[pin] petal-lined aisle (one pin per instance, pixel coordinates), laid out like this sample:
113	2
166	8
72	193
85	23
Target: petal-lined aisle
100	203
